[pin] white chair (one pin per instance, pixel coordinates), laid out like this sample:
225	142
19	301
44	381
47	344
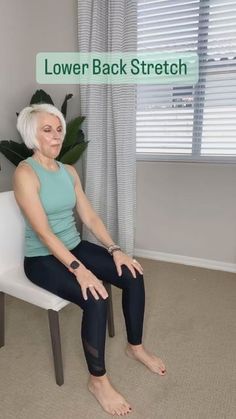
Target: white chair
14	282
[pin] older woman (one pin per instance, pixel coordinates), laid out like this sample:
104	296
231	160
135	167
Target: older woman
58	260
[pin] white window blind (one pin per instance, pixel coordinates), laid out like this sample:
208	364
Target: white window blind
196	123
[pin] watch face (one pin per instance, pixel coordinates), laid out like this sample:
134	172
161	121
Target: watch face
74	264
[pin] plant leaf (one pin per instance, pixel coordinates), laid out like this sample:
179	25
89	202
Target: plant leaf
40	96
64	105
78	140
65	147
80	136
74	153
72	130
15	152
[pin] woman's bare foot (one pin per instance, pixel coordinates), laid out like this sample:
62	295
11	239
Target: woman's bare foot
151	361
111	401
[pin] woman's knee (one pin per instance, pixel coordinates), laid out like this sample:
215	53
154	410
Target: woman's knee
130	280
98	306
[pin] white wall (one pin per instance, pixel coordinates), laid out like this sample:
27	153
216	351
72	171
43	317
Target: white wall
188	210
27	28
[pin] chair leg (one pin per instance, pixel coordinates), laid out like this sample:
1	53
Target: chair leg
54	327
110	316
2	319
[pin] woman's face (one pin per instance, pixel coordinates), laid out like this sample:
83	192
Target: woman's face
49	134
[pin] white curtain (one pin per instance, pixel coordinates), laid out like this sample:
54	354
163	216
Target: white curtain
110	110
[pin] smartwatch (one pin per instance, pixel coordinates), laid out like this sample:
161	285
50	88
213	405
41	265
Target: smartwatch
74	264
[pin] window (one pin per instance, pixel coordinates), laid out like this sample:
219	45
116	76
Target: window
190	123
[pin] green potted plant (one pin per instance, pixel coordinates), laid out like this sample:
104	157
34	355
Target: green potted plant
73	145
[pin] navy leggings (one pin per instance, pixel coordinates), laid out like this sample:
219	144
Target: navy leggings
49	273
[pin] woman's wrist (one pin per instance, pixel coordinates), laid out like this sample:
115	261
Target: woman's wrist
75	266
113	248
116	250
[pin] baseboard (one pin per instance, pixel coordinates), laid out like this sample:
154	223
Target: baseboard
186	260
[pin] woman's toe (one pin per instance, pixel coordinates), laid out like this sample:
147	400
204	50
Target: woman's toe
127	410
162	366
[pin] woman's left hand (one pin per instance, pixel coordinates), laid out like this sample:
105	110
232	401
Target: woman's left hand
121	258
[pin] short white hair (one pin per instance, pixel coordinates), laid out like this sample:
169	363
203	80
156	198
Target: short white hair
27	122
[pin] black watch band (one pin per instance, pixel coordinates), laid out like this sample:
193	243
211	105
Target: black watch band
74	264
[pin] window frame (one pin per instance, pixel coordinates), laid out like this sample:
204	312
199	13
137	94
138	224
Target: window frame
198	113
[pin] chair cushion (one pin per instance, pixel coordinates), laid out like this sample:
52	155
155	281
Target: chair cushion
14	282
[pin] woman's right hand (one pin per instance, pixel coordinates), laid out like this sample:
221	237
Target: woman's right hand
87	279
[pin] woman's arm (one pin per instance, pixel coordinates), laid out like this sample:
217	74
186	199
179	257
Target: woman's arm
25	185
89	217
87	214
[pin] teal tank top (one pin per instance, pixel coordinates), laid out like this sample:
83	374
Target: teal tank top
58	199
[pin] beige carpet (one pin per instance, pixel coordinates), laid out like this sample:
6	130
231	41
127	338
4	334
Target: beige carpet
189	321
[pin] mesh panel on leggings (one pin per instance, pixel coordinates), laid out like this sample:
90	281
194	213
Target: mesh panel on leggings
92	356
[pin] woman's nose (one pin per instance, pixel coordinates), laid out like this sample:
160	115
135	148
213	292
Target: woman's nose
56	134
